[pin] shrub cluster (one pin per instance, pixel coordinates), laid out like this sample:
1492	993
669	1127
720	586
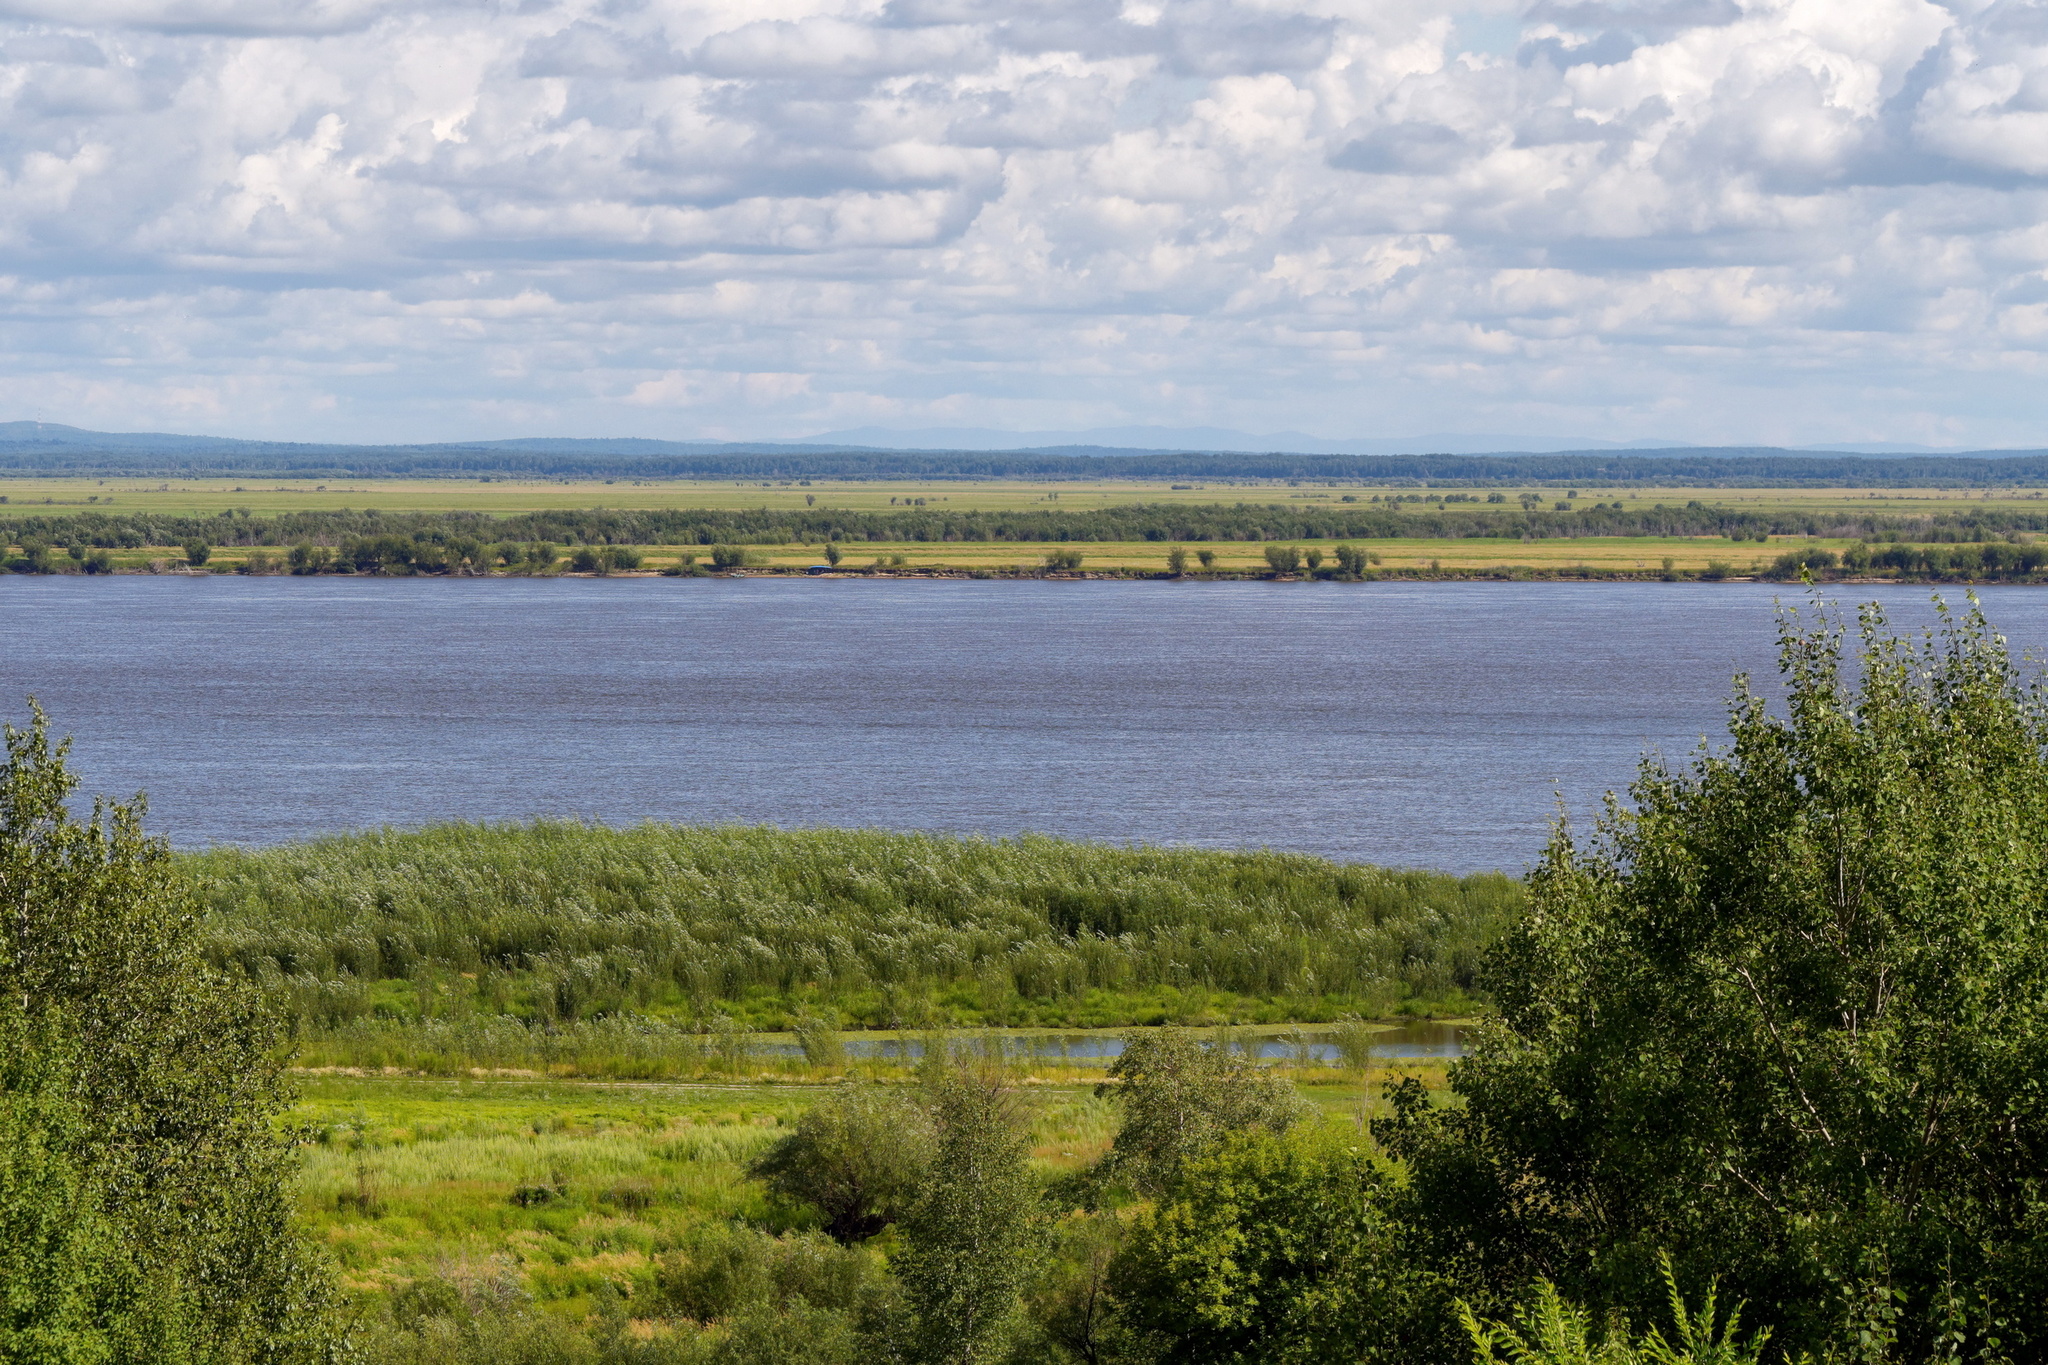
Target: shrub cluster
1989	561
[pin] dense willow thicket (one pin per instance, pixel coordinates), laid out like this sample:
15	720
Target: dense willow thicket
363	541
564	922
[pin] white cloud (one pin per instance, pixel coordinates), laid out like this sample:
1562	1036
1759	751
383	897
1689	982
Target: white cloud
1724	219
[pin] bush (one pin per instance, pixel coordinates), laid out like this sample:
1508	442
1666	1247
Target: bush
1794	562
1354	560
1180	1099
798	1334
731	1273
1283	559
160	1144
819	1040
1550	1331
1279	1249
197	552
969	1233
307	558
1769	1018
856	1156
1353	1039
720	1271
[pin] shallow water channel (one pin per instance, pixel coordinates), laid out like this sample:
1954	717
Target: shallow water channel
1307	1045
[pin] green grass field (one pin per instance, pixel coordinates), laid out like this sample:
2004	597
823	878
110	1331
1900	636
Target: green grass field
545	1053
409	1177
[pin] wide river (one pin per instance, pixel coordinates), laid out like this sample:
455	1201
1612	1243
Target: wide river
1417	724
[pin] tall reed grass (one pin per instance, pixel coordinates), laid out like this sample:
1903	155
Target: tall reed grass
670	939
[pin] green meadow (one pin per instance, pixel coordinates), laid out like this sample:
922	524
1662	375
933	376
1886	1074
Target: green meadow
568	1191
539	1057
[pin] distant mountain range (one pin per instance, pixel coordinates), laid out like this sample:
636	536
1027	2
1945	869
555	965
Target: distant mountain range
1222	439
23	437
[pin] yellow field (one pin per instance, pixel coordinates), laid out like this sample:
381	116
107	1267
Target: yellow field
32	496
1627	554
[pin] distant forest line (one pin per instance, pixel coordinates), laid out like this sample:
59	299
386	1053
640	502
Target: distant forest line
1713	467
1164	524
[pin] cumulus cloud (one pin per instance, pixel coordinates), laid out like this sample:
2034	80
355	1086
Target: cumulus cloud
380	219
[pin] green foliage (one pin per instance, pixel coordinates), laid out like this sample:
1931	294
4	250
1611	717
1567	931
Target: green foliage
798	1333
306	557
560	923
1354	561
1550	1331
1177	561
35	558
1794	562
71	1290
967	1236
140	1096
1781	1017
1283	558
1278	1249
728	1272
1180	1099
857	1156
1071	1315
479	1315
1353	1038
723	1270
604	559
1063	560
818	1038
197	552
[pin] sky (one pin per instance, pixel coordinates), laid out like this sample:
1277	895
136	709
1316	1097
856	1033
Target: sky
1722	221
